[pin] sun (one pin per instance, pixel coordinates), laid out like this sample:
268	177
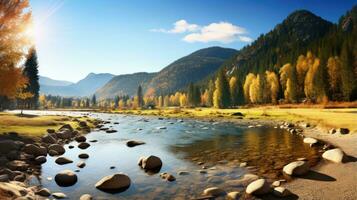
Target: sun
34	33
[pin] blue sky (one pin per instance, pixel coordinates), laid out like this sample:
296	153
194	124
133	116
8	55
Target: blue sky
76	37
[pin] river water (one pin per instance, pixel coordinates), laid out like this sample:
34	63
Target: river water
181	146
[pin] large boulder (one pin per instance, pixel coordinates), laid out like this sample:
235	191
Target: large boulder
116	182
258	187
334	155
58	148
63	160
49	139
150	163
35	150
80	138
214	191
7	146
296	168
66	178
64	134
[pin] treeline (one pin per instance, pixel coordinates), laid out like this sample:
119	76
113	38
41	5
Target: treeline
19	87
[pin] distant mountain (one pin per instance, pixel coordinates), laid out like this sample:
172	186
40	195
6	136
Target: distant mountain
84	87
191	68
283	44
52	82
126	84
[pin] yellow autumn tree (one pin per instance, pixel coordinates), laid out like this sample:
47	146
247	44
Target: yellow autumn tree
287	72
183	100
314	85
255	90
233	88
246	87
334	72
273	86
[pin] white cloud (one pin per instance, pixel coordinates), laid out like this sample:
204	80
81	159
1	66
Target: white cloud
217	32
224	32
181	26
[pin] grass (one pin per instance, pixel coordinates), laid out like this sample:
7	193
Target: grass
327	118
31	125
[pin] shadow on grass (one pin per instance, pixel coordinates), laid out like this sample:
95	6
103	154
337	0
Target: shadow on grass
317	176
26	115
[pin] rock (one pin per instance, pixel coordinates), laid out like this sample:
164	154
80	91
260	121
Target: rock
44	192
63	160
310	140
13	155
334	155
83	145
81	164
112	167
17	165
332	131
296	168
53	153
116	182
6	146
59	195
66	178
133	143
40	159
80	138
276	183
12	189
182	173
343	131
35	150
93	140
48	139
167	176
21	177
214	191
64	134
86	197
233	195
51	131
237	114
306	125
83	156
150	163
111	131
161	127
258	187
281	192
58	148
83	124
243	164
3	160
66	126
4	178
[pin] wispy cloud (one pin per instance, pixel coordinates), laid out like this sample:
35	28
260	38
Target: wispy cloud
224	32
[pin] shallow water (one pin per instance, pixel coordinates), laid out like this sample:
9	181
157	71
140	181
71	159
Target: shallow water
220	146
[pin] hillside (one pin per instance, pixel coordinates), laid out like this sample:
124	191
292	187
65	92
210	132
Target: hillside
84	87
191	68
282	44
52	82
125	85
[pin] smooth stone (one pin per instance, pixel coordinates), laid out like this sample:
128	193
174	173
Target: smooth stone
182	173
214	191
310	140
80	138
150	163
58	148
343	131
53	153
35	150
70	146
167	176
258	187
86	197
332	131
44	192
243	164
49	139
111	131
114	182
276	183
13	189
81	164
334	155
40	159
63	160
83	145
59	195
281	192
17	165
83	156
296	168
233	195
66	178
133	143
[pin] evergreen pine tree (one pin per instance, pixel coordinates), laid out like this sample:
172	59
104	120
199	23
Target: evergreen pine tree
140	97
94	101
31	72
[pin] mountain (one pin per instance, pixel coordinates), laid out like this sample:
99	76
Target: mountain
84	87
283	44
52	82
191	68
125	84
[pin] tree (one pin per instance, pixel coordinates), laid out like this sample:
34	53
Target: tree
22	96
183	100
348	79
334	72
221	96
233	88
246	87
273	86
94	101
211	88
14	19
287	72
140	97
31	72
314	84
